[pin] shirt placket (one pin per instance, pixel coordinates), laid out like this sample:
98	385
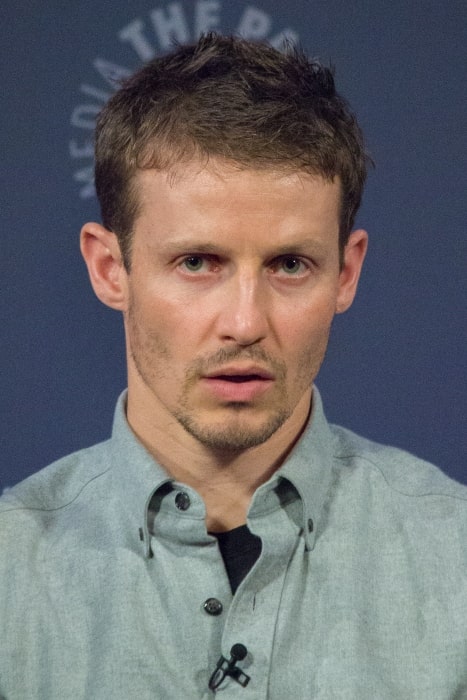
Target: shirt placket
251	620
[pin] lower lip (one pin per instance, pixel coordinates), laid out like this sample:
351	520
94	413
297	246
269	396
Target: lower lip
237	391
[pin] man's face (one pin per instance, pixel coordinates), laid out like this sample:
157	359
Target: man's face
233	286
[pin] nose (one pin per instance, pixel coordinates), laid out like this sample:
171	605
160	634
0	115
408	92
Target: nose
244	315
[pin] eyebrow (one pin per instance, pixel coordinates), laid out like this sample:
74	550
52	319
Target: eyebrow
306	246
184	246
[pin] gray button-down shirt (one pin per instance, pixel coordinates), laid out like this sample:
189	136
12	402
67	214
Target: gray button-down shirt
360	592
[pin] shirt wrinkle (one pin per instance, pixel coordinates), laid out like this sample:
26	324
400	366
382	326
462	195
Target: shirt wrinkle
423	494
357	589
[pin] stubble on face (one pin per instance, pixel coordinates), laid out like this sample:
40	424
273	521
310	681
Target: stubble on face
238	432
176	341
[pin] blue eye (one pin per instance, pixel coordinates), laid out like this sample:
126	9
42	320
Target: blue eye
291	265
194	263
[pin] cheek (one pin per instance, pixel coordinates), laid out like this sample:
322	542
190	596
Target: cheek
162	330
147	329
306	326
305	339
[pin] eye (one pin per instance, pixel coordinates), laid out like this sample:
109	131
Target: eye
194	263
199	264
290	266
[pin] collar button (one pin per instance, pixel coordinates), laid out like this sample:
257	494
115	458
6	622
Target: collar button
182	501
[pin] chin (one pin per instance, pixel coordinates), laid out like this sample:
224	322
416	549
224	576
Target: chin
241	434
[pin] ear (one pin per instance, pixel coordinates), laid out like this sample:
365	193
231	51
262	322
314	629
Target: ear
354	255
101	253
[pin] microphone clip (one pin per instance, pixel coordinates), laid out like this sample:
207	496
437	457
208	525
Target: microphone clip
228	667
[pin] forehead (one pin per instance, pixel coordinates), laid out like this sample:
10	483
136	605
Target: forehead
227	210
219	186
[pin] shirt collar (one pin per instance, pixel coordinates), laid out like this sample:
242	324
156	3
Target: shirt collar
309	468
137	475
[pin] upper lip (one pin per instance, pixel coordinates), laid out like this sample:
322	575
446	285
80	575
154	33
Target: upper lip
240	371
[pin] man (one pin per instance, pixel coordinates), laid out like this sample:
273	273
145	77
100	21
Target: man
227	538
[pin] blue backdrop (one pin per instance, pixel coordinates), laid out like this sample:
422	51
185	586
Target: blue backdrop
396	365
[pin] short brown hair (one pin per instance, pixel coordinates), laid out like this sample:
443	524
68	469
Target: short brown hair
230	98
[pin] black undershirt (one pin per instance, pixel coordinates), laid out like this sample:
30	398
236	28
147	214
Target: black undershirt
240	549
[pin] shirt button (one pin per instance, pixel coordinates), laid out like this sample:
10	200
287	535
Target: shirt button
213	606
182	501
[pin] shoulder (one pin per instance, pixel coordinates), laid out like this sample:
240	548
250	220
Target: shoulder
399	470
402	507
54	511
60	484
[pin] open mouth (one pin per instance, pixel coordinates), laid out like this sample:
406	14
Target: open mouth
238	386
240	378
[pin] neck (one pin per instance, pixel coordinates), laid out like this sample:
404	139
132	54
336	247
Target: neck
225	482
